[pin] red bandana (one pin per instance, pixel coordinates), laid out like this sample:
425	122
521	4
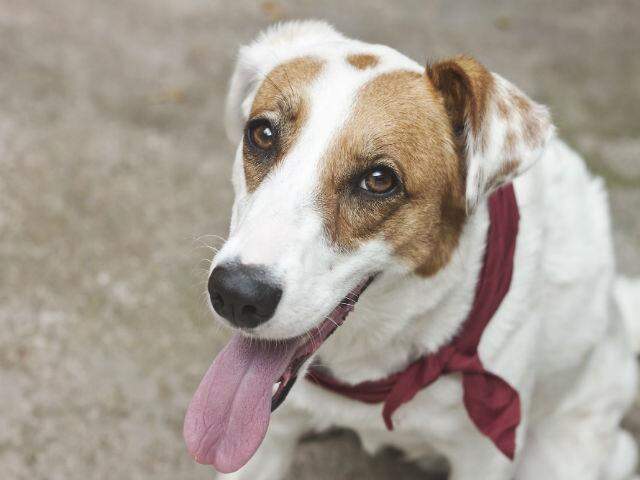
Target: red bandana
492	404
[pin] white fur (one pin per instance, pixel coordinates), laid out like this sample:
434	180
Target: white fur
559	336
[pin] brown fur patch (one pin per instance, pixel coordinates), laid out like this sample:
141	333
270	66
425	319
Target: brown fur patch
362	61
531	125
400	121
466	87
532	131
510	142
503	109
521	104
281	98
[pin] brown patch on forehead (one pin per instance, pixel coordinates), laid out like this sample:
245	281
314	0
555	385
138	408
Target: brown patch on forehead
400	121
282	97
286	83
362	61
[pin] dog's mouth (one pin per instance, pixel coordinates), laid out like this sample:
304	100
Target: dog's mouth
229	413
313	341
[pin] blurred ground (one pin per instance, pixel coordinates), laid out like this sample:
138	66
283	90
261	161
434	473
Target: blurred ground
113	164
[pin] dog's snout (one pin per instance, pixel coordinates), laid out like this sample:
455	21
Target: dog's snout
246	295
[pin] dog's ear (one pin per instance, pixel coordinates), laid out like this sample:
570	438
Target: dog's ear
245	79
498	131
277	44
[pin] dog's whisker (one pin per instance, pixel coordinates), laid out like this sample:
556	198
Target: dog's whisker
213	235
210	247
377	312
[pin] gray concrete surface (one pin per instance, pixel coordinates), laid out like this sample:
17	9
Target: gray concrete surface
114	169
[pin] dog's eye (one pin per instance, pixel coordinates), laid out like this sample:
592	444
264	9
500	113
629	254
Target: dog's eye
379	181
261	134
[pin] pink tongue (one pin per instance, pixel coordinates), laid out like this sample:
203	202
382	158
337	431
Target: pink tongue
229	413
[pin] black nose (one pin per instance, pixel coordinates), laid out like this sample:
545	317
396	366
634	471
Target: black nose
246	295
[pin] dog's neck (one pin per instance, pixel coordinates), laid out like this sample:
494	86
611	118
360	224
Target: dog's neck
403	316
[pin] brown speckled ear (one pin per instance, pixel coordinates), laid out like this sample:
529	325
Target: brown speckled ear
499	132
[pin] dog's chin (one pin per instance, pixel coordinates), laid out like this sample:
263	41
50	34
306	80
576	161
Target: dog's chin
310	340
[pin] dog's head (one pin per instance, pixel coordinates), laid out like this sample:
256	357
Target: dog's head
353	160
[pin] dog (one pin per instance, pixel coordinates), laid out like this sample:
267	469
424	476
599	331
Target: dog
491	328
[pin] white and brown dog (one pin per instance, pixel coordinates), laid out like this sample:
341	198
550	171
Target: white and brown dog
357	167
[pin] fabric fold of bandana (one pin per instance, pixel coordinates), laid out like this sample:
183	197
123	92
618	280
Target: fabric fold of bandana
492	404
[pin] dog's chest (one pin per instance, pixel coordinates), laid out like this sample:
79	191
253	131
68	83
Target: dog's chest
436	414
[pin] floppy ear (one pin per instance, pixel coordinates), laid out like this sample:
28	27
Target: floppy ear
280	42
498	131
244	80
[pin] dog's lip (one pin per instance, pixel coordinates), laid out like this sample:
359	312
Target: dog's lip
315	338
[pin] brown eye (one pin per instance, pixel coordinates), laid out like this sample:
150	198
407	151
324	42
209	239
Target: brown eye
379	181
261	134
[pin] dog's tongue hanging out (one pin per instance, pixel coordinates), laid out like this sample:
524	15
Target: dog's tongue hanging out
229	413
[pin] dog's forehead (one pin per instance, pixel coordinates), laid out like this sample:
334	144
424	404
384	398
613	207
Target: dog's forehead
314	92
326	85
334	71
